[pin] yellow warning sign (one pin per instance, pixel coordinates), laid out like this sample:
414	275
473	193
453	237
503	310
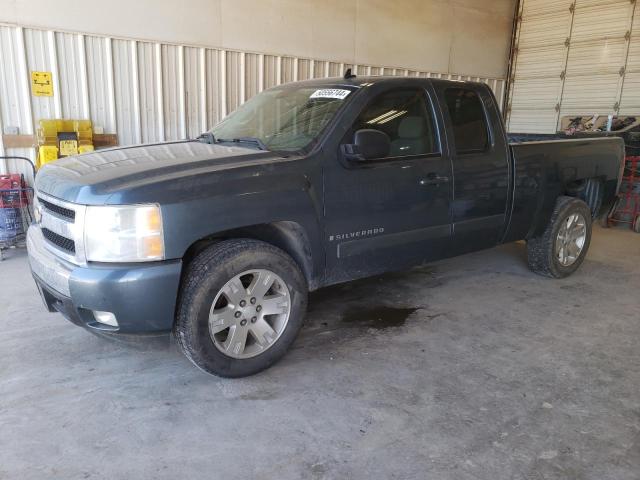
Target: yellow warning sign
68	147
42	84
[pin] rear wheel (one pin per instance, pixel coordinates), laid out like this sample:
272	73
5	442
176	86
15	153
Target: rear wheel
561	249
241	306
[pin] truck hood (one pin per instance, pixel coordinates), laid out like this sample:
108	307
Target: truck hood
92	178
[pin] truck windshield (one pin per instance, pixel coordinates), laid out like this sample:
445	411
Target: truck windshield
288	118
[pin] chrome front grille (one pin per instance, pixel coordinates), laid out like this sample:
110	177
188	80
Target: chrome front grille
59	241
62	225
58	210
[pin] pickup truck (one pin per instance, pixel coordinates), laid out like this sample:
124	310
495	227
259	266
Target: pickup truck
219	239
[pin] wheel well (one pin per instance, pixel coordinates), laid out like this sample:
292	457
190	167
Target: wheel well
288	236
590	190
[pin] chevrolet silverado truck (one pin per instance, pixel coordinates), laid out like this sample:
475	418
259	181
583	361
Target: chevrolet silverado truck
219	239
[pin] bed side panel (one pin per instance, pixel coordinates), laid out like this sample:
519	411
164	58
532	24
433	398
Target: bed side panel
542	170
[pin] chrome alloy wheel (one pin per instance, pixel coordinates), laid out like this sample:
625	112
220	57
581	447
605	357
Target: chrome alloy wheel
571	238
249	313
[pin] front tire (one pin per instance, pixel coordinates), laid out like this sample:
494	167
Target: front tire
561	249
241	305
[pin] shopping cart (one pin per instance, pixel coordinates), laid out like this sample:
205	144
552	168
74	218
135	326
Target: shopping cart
16	208
626	209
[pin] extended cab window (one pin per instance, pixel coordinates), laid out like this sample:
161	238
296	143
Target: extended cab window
405	116
468	120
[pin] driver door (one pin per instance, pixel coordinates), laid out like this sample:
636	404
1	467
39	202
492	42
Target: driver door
393	212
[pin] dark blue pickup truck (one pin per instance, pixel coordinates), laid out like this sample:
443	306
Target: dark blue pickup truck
219	239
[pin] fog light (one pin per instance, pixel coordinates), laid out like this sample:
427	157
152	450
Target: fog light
107	318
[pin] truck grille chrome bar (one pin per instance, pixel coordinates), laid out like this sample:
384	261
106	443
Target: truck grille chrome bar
58	210
59	241
62	226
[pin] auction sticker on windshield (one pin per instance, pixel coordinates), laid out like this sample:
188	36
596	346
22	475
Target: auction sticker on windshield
338	93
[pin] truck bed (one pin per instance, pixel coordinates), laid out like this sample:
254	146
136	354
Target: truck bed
543	169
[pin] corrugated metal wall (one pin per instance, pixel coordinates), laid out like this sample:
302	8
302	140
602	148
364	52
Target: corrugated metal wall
144	91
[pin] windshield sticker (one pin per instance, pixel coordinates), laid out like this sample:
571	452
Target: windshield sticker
339	93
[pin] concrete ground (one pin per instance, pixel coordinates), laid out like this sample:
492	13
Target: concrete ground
472	368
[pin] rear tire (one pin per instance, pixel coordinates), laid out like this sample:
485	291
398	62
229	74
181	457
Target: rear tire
547	254
219	299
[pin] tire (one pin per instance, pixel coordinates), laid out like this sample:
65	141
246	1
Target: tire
222	265
543	253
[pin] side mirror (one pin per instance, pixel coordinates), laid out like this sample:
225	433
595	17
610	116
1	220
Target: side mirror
368	144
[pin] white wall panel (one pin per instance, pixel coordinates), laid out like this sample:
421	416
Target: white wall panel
304	69
150	90
288	72
125	69
42	57
213	87
15	94
195	91
72	89
100	83
233	76
272	70
336	71
254	73
15	97
173	91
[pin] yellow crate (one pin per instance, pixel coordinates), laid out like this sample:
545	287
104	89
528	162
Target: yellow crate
47	134
46	154
85	148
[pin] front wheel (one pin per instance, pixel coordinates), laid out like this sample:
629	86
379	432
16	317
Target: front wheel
561	249
241	306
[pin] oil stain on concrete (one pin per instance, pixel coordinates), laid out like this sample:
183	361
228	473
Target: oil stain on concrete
380	317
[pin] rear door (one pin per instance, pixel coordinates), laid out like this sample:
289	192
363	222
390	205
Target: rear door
480	165
391	212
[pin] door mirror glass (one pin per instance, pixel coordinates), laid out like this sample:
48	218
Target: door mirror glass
368	144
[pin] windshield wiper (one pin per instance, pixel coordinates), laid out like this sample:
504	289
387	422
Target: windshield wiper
251	140
207	137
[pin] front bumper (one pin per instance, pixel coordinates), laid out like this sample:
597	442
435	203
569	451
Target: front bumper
142	295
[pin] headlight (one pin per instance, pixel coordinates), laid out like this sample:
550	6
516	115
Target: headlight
129	233
37	210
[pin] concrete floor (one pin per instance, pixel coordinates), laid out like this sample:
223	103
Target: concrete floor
498	374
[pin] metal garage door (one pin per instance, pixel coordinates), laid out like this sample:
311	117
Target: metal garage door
573	58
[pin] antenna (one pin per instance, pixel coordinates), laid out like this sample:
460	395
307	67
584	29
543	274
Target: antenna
348	74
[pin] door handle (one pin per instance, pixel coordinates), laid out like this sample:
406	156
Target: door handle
434	179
